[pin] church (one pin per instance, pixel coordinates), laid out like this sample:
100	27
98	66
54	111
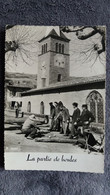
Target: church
55	84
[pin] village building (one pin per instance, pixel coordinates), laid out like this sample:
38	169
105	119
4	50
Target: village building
15	84
55	84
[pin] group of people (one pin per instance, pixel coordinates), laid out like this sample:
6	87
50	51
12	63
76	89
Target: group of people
60	119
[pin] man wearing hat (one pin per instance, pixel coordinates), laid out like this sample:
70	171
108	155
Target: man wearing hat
29	127
75	118
86	117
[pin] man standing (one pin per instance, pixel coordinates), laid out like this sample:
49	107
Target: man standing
75	118
16	109
57	121
52	115
64	112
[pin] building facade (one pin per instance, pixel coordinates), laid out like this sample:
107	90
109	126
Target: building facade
55	84
15	84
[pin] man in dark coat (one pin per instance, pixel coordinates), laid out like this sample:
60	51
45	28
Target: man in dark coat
75	118
86	117
16	109
87	139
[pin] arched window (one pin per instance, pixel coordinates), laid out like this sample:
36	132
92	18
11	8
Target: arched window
59	78
100	111
59	48
42	107
43	82
56	49
42	49
29	107
63	48
46	48
95	103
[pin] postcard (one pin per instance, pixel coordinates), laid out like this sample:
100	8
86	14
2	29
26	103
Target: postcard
55	98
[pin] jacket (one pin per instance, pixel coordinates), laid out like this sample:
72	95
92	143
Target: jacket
86	116
76	115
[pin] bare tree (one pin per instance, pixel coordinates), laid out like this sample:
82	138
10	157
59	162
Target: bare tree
80	33
20	45
17	47
86	32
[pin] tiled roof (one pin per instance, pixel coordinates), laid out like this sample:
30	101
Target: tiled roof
80	80
75	81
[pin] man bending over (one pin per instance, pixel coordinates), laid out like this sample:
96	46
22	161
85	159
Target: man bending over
29	127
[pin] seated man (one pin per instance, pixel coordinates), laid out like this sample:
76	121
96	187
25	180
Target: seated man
29	127
86	118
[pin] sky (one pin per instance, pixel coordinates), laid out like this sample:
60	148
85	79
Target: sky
83	59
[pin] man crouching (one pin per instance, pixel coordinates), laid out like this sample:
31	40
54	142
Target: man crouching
29	127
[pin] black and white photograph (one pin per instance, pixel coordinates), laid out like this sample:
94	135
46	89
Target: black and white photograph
55	98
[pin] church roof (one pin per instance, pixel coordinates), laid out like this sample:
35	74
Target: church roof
54	34
73	82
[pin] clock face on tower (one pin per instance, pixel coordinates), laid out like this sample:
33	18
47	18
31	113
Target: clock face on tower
59	60
43	70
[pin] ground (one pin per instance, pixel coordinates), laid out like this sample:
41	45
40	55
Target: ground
18	143
15	142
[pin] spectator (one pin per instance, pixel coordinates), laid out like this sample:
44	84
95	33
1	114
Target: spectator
16	109
75	119
86	117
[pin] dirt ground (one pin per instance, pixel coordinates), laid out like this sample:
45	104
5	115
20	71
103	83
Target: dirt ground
18	143
15	142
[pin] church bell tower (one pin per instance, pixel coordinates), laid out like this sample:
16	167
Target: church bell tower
53	60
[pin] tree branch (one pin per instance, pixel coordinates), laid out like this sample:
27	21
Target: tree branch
82	36
86	36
